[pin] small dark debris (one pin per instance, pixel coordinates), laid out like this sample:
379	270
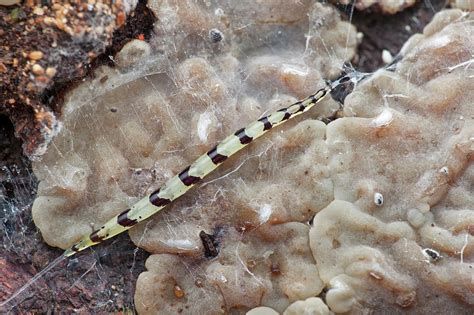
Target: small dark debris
199	282
328	119
432	254
215	35
244	226
275	269
210	244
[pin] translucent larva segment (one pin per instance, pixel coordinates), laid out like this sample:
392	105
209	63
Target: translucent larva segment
202	166
174	188
255	129
276	118
229	146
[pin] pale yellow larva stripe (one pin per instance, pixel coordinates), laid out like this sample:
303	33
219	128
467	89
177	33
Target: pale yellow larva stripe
255	129
293	109
142	209
173	188
230	145
276	118
202	166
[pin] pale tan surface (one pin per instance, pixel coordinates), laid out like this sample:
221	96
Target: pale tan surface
385	6
467	5
270	266
169	101
411	143
310	306
134	126
262	310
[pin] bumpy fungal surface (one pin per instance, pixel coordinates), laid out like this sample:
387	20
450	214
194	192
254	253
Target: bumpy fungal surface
467	5
411	140
386	182
151	118
271	265
385	6
133	127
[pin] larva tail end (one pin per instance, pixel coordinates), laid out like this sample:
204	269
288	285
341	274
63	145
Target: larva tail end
79	246
69	252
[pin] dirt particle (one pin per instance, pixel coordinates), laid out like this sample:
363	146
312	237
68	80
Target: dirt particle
405	300
35	55
42	79
375	275
199	282
120	18
37	69
431	254
50	72
48	20
275	269
215	35
38	11
103	79
178	292
244	226
251	264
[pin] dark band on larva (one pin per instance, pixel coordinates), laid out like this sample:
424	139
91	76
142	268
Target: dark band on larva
96	238
187	179
124	220
287	115
216	157
244	139
302	107
266	123
158	201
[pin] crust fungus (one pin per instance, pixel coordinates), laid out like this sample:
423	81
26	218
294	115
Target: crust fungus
132	127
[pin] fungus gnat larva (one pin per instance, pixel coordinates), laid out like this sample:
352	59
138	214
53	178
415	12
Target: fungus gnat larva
191	175
205	164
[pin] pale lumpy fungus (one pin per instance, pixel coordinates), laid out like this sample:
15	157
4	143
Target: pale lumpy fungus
408	134
388	180
384	6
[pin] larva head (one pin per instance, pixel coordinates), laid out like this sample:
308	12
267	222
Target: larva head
345	84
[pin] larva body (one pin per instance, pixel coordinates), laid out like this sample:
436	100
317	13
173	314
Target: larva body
205	164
